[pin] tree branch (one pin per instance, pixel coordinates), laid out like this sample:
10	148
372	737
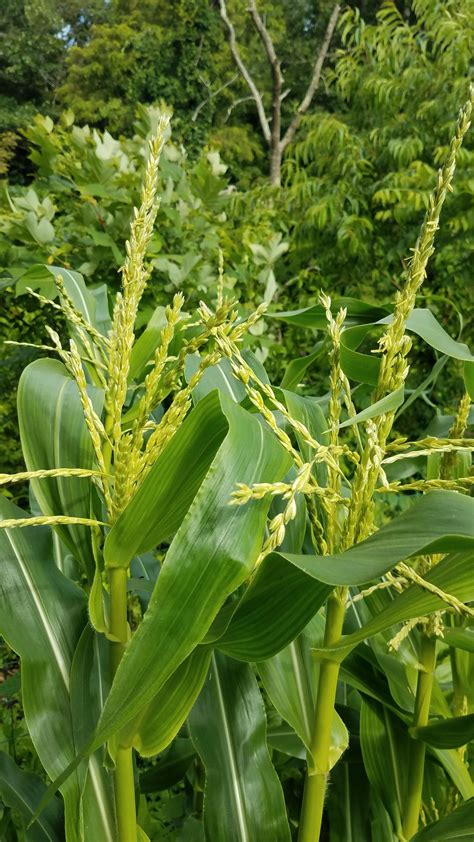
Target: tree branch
235	104
264	34
212	94
275	140
315	79
245	73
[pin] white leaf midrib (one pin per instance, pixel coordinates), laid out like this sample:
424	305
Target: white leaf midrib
42	614
238	798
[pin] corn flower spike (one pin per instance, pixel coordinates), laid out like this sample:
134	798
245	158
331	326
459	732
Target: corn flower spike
395	345
334	326
442	447
94	424
75	317
174	416
460	423
24	476
49	520
458	484
134	279
430	442
451	601
278	524
152	380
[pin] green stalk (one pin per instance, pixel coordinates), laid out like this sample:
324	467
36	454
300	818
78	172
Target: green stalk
416	766
316	782
124	780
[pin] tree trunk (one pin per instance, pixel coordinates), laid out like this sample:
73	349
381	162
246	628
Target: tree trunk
275	162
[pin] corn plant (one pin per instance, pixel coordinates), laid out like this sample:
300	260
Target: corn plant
193	527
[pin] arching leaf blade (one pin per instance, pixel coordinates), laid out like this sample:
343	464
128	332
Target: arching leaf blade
243	798
150	517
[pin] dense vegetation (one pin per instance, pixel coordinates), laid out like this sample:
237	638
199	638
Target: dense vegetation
291	152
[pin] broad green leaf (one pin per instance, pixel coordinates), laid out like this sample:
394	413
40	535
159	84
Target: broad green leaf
361	670
42	615
296	369
161	502
387	404
460	638
347	801
100	293
469	378
441	521
243	799
422	322
427	384
89	685
23	791
457	770
385	745
381	826
218	376
447	733
275	607
284	739
290	679
358	312
42	277
308	411
365	367
54	435
158	724
457	827
452	575
170	768
144	348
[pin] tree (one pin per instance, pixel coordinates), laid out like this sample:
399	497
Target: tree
276	139
144	53
34	39
359	177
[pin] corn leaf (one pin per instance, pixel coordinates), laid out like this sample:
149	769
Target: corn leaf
349	787
41	618
385	744
441	521
243	799
457	827
389	403
23	791
291	678
452	575
457	770
460	638
89	686
296	369
161	502
358	312
447	733
158	724
54	435
273	610
42	277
